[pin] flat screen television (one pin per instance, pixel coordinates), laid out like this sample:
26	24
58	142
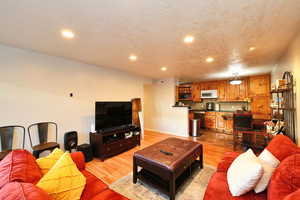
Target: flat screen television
112	115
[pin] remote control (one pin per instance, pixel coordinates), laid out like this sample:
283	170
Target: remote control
166	153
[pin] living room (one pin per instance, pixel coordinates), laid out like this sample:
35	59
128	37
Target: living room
60	61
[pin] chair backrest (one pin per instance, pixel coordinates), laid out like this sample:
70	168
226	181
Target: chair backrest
41	132
242	121
12	137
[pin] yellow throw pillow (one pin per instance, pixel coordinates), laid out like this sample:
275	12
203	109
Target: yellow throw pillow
48	162
64	181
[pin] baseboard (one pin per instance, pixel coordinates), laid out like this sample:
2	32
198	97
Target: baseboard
164	132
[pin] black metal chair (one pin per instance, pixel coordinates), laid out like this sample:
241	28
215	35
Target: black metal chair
43	143
11	139
244	124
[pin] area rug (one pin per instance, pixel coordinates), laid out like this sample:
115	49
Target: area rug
192	189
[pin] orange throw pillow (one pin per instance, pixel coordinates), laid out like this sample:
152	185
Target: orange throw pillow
20	166
22	191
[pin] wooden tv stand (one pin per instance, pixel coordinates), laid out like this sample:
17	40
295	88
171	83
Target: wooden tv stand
112	142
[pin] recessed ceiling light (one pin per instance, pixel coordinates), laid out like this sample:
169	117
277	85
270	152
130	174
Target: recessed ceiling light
210	59
132	57
163	69
67	34
189	39
252	48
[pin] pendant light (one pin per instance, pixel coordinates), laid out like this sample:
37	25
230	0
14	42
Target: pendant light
236	80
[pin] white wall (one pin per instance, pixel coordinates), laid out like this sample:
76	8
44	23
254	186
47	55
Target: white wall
35	87
160	116
291	62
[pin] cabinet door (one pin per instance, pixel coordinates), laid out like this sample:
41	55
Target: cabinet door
243	90
229	125
259	85
260	107
222	90
196	88
220	122
232	92
212	85
210	121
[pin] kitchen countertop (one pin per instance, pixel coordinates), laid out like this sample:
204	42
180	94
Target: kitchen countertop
196	110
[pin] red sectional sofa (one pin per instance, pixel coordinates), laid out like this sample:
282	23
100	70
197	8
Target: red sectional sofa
19	172
284	184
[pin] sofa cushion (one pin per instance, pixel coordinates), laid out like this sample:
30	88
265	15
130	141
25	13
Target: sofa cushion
244	173
293	196
93	186
286	178
22	191
46	163
109	194
218	189
78	158
64	181
282	146
21	166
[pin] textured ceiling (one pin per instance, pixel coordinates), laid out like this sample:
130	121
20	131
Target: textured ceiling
108	31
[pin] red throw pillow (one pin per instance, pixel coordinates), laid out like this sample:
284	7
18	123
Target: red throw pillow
22	191
286	178
20	166
281	147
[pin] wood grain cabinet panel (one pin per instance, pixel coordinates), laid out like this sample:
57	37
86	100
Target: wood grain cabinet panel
222	90
229	126
210	121
220	122
259	85
196	91
260	107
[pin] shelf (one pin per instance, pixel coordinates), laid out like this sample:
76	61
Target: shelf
291	109
281	90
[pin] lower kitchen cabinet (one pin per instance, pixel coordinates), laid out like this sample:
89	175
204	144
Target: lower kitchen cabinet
220	122
223	125
210	120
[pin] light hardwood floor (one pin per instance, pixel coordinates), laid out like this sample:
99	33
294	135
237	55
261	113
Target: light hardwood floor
112	169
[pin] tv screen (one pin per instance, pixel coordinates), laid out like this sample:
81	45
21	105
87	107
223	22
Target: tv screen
113	114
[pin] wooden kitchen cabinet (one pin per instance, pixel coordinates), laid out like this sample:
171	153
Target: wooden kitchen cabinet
220	122
196	92
260	107
259	85
237	92
222	90
210	120
229	125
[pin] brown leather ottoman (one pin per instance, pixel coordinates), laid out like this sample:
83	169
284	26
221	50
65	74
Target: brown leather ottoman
167	164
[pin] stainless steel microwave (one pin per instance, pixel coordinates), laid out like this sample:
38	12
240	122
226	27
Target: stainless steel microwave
209	94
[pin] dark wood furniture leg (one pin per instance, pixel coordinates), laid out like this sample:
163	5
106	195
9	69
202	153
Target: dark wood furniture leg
135	171
172	188
201	158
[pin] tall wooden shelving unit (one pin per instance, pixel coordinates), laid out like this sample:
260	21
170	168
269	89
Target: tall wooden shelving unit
285	107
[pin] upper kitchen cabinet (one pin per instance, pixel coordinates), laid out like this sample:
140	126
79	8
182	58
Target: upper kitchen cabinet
196	92
222	90
260	107
237	92
259	85
184	92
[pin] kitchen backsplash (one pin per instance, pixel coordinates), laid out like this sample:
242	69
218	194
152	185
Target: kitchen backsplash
224	106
